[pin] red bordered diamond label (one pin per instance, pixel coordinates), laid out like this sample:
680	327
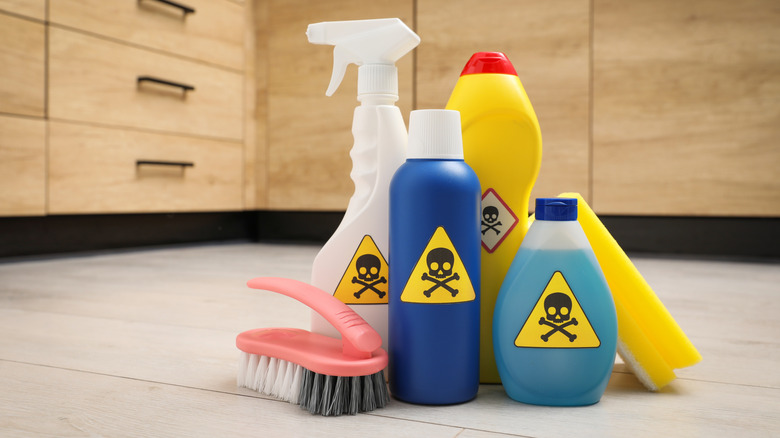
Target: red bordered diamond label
498	220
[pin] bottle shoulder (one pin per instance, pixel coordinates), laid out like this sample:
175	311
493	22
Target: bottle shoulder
420	173
433	165
556	235
476	95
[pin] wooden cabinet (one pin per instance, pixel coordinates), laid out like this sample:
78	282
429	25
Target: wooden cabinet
103	170
686	108
35	9
146	106
646	108
22	108
22	52
207	30
99	81
120	84
22	166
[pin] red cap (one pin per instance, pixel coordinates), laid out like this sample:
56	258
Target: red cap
488	62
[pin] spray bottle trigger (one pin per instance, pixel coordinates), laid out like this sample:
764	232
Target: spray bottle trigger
342	57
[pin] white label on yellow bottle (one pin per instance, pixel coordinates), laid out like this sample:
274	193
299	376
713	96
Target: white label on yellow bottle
365	280
557	320
439	277
498	220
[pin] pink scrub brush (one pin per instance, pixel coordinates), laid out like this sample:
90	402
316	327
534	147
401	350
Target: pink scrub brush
323	375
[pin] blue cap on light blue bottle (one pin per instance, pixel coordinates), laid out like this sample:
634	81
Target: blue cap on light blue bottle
556	209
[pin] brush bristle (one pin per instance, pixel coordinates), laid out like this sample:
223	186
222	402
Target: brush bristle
317	393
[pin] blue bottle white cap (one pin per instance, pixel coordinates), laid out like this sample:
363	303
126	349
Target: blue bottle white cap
435	134
556	209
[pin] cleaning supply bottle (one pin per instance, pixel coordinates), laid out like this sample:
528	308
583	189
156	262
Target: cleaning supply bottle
650	341
555	326
352	265
502	142
434	266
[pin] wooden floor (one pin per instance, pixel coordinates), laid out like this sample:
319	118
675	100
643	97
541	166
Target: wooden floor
141	343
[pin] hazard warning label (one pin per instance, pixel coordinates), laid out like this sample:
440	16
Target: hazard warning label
439	276
498	220
365	280
557	320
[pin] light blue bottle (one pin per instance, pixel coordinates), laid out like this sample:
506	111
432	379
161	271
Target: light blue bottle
554	326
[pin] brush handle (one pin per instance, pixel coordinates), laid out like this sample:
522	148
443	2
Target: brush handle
360	340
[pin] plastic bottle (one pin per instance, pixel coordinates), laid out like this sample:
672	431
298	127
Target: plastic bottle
434	266
554	328
502	142
353	263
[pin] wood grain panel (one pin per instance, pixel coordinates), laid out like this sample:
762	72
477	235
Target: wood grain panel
213	33
687	108
547	42
94	80
22	73
309	134
29	8
255	120
93	170
22	166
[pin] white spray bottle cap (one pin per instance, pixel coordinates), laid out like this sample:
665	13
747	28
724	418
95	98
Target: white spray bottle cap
373	45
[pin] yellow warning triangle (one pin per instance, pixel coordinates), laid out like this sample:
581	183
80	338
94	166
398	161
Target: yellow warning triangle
365	280
439	276
557	320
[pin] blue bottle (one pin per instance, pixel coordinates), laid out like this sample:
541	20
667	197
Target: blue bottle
554	326
433	327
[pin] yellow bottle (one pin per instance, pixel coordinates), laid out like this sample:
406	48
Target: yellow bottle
502	142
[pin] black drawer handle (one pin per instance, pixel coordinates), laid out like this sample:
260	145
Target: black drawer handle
184	87
164	163
184	8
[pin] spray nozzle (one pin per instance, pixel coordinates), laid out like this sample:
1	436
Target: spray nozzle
379	42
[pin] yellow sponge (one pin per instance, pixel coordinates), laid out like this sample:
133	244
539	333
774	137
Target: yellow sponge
649	340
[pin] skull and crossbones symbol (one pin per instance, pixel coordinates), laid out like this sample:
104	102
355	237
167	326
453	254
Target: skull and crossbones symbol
440	262
368	267
490	219
558	307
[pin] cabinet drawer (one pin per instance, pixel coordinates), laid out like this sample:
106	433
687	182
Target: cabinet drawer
22	166
22	71
29	8
95	80
96	170
212	33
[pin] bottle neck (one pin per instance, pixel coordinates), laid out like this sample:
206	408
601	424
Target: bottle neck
377	81
377	99
555	235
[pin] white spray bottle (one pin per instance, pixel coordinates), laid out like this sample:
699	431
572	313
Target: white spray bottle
352	265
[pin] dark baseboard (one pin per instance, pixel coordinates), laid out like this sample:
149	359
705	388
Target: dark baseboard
297	226
26	236
704	236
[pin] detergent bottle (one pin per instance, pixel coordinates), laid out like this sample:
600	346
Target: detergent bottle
555	326
502	142
434	266
352	265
